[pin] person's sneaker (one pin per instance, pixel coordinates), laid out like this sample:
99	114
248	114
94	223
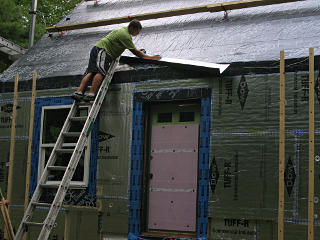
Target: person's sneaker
77	96
89	97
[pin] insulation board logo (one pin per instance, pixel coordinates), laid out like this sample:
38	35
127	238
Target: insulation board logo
243	91
104	136
214	175
289	176
8	108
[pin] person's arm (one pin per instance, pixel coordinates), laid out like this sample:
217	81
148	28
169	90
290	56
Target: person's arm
141	54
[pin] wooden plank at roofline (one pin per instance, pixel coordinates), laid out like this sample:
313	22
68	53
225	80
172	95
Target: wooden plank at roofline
311	147
281	146
217	7
245	4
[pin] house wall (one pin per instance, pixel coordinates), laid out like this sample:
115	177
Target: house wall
244	163
243	159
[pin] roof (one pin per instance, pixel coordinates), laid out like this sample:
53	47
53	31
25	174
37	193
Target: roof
246	35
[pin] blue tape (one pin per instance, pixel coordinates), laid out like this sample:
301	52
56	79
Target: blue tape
136	170
132	236
203	175
94	150
56	101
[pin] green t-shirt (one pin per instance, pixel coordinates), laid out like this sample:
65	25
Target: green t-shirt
116	42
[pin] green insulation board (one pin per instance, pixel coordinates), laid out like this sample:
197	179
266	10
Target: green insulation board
243	157
81	223
114	159
245	154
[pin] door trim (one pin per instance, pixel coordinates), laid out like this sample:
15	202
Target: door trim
140	99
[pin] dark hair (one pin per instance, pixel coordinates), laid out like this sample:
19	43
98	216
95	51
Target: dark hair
135	24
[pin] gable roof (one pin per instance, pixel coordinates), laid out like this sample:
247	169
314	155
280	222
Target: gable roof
246	35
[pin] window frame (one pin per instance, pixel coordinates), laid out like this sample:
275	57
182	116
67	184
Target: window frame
43	146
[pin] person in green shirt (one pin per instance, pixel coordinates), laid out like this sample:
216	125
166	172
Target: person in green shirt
105	51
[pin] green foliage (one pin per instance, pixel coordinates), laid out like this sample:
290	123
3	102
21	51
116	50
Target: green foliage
12	25
15	19
49	12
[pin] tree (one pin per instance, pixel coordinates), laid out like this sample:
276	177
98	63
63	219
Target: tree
12	25
15	20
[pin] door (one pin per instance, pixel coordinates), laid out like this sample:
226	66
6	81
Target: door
173	167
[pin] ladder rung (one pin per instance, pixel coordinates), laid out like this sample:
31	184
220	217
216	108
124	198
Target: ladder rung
80	119
41	204
71	134
33	223
70	139
64	145
58	168
84	103
50	185
61	150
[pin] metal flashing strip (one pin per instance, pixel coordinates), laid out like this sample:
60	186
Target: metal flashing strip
221	67
214	68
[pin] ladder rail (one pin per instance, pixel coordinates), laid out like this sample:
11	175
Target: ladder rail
37	193
74	160
49	221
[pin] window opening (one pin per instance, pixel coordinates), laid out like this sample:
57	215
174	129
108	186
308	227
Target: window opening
186	117
53	118
164	117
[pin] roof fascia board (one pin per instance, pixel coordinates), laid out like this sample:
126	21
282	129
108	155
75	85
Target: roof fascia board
8	47
234	5
217	7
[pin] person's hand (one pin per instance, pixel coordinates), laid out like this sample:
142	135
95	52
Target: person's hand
156	57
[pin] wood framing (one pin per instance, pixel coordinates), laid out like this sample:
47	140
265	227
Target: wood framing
6	217
28	170
217	7
311	147
281	146
13	135
12	142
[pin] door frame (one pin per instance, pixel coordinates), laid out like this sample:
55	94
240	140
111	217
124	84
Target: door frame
151	109
139	153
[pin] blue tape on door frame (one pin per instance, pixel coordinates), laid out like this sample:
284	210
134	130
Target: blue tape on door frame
203	174
136	170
